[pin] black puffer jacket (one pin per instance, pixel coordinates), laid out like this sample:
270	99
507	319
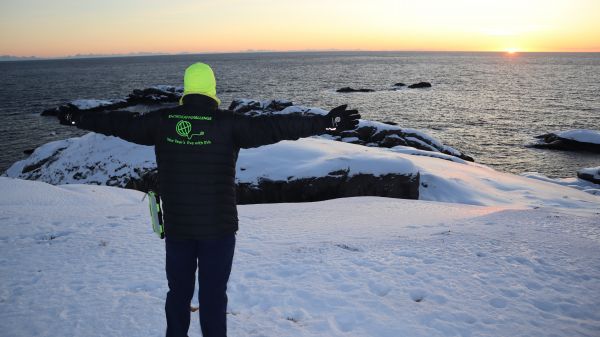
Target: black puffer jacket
196	147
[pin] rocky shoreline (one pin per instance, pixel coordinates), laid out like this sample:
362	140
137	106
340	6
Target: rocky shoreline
109	161
97	159
368	133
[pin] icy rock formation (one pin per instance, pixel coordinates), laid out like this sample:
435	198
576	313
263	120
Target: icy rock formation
576	139
308	170
591	174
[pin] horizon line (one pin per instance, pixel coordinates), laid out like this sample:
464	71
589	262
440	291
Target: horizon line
8	58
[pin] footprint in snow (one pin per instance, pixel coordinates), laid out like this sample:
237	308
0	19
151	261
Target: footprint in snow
47	237
417	295
544	305
379	289
410	270
439	299
533	285
347	287
429	261
509	293
465	318
248	251
406	253
347	247
498	303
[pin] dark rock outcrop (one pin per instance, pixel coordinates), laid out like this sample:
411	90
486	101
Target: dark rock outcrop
369	134
335	185
420	85
147	96
399	84
154	95
348	89
246	106
555	142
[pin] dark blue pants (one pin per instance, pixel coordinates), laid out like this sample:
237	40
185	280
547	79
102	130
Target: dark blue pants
213	258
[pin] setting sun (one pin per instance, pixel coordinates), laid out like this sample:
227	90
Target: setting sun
512	50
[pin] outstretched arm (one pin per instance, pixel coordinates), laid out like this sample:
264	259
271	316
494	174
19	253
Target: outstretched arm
262	130
129	126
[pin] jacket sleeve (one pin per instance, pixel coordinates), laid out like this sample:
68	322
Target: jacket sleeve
263	130
132	127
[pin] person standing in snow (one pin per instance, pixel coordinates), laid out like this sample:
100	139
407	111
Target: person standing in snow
196	147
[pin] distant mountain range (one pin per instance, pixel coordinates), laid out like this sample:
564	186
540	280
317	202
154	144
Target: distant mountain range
26	58
17	58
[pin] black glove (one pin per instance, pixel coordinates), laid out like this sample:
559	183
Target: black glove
340	119
70	117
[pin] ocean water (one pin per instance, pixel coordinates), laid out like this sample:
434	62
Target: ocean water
489	105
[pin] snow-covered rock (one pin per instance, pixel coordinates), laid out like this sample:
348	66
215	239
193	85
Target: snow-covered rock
577	139
308	169
367	133
79	260
150	96
90	159
591	174
86	104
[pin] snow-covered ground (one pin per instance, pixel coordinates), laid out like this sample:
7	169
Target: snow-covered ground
81	260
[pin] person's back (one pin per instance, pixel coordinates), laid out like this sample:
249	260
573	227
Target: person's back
196	155
196	147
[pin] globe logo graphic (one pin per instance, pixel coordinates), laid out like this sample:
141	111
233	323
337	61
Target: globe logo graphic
183	128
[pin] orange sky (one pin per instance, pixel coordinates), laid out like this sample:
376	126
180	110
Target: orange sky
66	27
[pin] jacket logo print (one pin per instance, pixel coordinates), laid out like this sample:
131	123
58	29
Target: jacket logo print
184	129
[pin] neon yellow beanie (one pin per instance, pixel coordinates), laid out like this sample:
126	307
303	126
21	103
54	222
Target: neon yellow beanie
200	79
